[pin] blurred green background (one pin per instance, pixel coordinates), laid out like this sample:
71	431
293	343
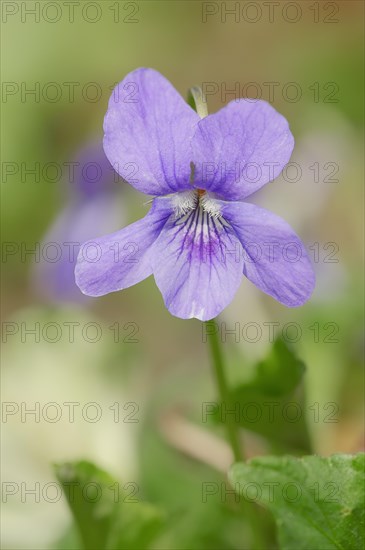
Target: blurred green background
166	372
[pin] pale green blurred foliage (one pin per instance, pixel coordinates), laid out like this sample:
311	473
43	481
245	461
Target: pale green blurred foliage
171	38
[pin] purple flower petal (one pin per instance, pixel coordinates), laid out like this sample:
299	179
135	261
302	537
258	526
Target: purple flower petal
53	276
92	173
122	259
241	148
93	209
275	258
148	128
197	265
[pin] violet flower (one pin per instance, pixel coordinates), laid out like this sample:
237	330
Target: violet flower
92	209
199	236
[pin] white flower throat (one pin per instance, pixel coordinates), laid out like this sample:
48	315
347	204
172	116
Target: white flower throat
188	201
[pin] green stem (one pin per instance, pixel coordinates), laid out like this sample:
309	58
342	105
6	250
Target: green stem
248	508
225	396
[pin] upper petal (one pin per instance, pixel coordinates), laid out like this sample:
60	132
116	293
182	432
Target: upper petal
240	148
148	128
197	265
275	259
121	259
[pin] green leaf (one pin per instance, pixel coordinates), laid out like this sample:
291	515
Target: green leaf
136	527
69	540
280	373
107	516
88	493
318	503
272	404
